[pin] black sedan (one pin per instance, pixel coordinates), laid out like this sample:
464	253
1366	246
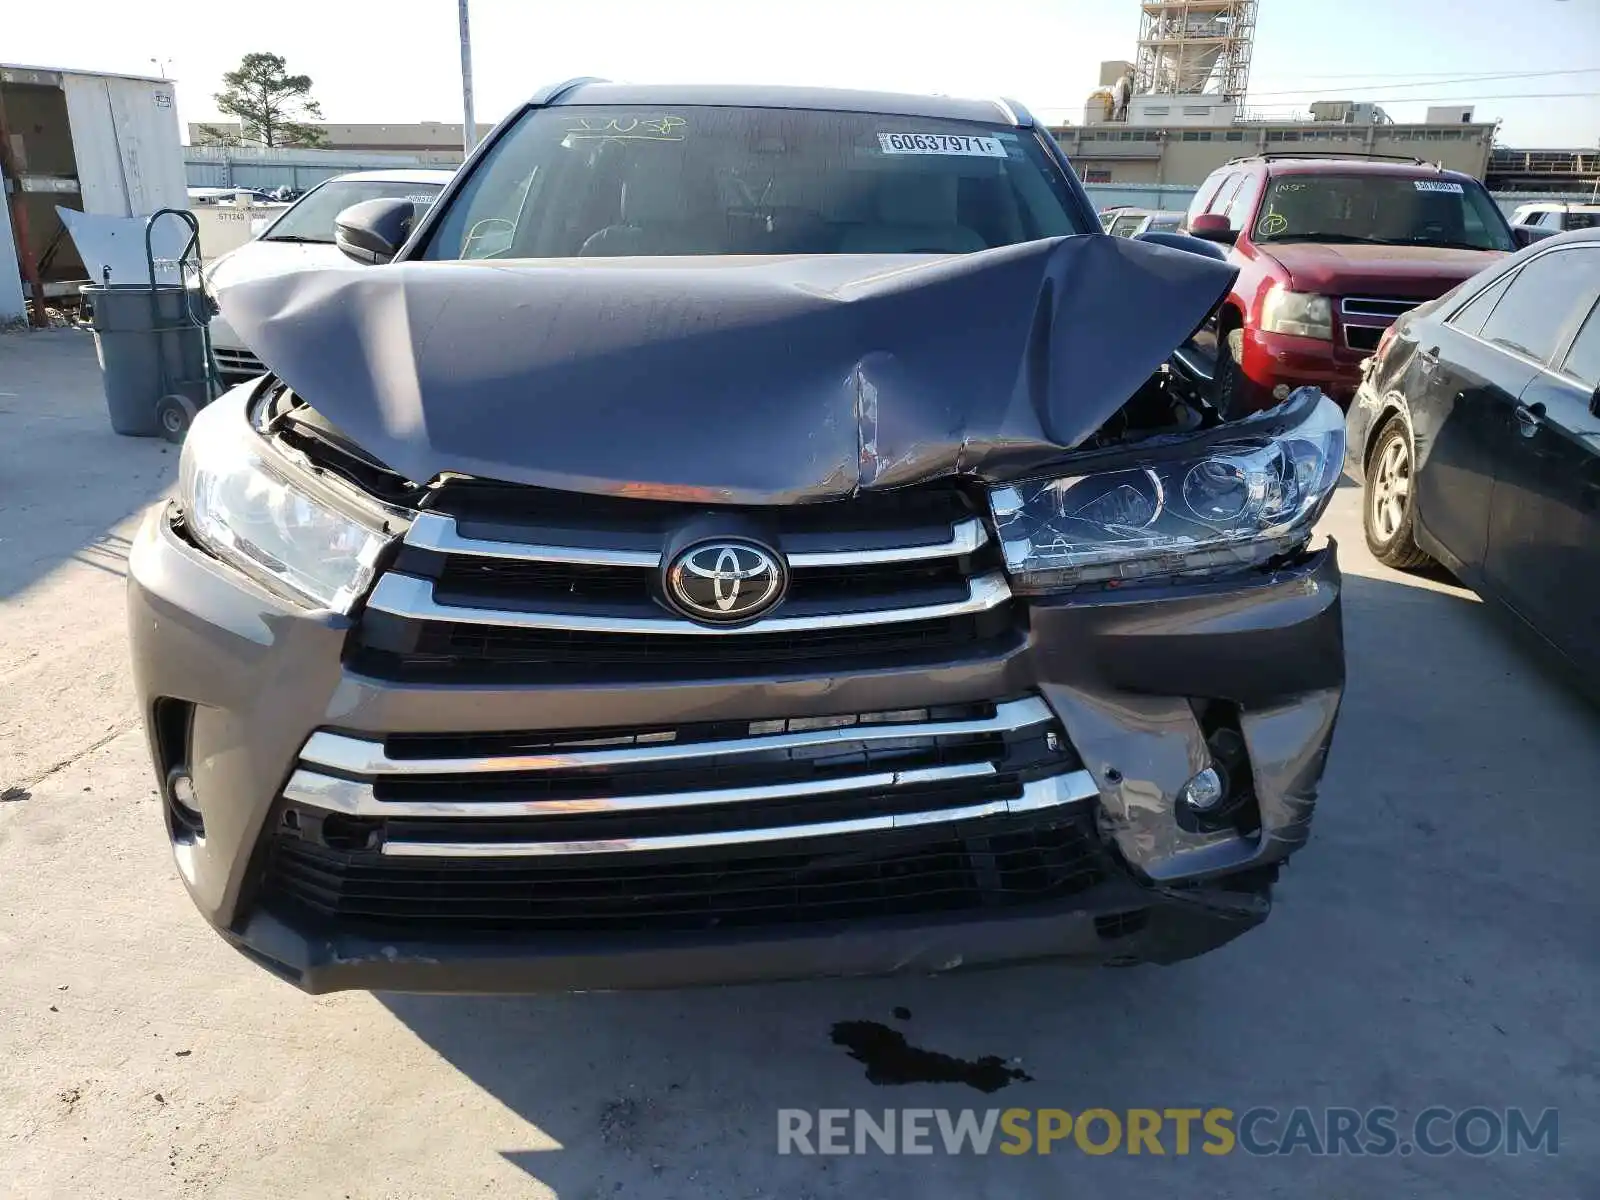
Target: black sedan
1477	432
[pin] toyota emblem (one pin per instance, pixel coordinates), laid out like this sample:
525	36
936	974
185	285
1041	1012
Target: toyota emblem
725	582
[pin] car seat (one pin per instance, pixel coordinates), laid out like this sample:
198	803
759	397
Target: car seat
915	213
666	209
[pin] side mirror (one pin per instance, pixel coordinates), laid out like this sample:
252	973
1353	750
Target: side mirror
1213	227
374	230
1182	241
1527	235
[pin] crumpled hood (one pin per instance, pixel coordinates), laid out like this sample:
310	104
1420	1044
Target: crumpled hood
736	380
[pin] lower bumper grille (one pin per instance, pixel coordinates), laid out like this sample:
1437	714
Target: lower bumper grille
983	864
766	821
455	652
1366	317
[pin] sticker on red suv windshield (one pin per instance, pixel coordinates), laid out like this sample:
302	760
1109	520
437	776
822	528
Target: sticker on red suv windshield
941	143
1438	185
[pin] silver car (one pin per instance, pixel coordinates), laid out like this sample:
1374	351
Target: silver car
302	237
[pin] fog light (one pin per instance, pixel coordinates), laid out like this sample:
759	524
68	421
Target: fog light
183	792
183	802
1281	392
1204	792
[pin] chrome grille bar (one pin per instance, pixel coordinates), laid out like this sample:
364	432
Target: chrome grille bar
1379	307
1040	794
438	532
412	597
358	799
965	538
358	756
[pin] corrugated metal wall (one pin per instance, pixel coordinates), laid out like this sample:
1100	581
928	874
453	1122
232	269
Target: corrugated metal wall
13	308
126	141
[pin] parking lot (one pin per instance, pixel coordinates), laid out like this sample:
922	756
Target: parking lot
1435	945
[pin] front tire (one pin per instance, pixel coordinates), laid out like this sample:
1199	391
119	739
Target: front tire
1389	505
1228	382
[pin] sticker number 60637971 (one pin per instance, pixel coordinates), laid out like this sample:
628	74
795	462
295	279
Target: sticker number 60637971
941	143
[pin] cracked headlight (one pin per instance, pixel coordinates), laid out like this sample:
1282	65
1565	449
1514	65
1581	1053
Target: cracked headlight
244	508
1235	506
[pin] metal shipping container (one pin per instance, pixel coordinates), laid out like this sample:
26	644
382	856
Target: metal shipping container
101	143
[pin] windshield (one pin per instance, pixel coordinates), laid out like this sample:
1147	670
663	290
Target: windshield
1388	210
604	181
311	219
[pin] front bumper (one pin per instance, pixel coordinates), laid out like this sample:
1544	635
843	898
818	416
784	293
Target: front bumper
1272	360
1122	671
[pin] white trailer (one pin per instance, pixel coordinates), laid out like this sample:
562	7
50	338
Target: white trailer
105	144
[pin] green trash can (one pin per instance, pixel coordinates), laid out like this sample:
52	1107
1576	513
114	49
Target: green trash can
152	354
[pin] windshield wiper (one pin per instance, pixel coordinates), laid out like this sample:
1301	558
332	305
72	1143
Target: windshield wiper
300	239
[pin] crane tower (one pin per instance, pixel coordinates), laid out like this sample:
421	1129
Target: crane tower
1189	47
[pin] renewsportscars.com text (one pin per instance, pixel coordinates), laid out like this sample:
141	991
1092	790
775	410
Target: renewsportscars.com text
1176	1131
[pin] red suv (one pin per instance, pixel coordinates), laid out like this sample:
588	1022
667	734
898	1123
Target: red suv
1330	251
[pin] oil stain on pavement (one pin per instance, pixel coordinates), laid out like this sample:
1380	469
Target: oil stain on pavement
890	1059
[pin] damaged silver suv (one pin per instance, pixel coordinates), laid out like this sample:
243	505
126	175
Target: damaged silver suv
742	534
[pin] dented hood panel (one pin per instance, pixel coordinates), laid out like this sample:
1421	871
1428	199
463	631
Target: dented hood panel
744	380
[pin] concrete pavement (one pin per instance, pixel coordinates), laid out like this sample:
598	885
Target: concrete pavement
1436	944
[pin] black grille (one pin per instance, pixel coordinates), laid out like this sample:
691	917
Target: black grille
1378	306
1002	862
237	362
1362	337
466	580
388	647
440	649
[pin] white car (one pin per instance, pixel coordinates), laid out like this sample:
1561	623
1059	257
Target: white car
302	236
1556	216
1131	222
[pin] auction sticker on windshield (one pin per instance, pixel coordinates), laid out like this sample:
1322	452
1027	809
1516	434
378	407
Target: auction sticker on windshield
1438	185
941	143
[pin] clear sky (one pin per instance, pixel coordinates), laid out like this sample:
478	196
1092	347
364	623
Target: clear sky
398	60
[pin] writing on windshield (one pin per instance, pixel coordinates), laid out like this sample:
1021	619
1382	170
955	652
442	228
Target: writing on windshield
1383	209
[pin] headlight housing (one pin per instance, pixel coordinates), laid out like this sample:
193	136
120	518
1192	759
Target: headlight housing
1233	506
1300	313
241	503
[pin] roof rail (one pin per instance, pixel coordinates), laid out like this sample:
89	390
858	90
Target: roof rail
1356	154
1014	113
549	95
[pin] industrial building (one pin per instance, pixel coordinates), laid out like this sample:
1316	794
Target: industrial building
1195	47
1174	113
1186	153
